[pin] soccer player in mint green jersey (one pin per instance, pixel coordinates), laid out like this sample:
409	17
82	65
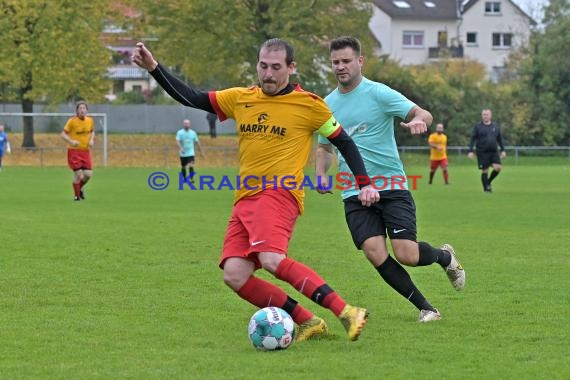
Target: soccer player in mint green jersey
367	111
186	138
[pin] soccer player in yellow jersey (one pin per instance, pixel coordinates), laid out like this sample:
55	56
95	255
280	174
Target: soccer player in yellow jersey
79	135
438	153
275	125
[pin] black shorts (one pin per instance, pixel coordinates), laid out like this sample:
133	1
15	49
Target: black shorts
186	160
394	215
486	159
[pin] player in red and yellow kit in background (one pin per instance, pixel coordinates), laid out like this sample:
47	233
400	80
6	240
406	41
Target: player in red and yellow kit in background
438	153
79	135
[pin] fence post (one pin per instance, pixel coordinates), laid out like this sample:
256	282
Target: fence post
516	156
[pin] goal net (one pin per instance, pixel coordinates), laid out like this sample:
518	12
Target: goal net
52	123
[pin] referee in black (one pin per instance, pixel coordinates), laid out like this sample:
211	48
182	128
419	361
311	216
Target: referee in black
486	138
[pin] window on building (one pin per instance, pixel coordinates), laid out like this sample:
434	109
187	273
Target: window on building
442	38
413	39
137	88
502	40
471	38
492	7
118	86
401	4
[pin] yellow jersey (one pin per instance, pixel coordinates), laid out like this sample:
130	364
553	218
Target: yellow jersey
79	130
440	140
275	135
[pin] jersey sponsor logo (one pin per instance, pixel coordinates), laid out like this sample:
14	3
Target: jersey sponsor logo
262	118
361	128
262	128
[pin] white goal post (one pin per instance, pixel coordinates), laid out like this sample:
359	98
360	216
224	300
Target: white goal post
103	117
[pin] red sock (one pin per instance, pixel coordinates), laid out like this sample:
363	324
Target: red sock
262	294
308	282
76	188
445	176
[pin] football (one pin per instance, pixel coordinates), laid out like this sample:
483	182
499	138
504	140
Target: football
271	328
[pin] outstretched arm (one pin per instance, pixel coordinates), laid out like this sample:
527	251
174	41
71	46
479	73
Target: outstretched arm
419	120
176	88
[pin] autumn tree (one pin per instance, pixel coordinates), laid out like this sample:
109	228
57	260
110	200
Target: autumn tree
52	53
539	82
213	44
453	90
550	73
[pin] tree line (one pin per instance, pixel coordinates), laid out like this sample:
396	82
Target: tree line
54	52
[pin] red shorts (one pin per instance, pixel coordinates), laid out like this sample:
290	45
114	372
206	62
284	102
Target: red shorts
78	159
263	222
433	164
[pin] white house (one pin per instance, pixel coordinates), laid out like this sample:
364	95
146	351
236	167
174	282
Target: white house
408	30
125	75
490	30
417	31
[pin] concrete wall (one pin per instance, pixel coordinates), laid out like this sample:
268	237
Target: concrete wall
139	118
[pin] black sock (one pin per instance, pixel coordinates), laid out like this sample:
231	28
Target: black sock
397	277
431	177
485	180
430	255
494	173
192	171
183	171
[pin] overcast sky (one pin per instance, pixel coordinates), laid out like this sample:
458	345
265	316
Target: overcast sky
532	7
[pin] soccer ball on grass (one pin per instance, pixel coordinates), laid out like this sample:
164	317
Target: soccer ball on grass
271	328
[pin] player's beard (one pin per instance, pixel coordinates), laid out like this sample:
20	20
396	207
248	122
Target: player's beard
345	79
269	88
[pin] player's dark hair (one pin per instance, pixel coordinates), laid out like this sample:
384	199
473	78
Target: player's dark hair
278	44
80	103
344	42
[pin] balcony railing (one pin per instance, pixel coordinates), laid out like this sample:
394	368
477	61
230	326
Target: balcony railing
445	52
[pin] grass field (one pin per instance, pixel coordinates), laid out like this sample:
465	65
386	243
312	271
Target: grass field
126	283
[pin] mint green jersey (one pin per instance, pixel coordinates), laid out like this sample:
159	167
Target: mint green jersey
187	139
367	114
